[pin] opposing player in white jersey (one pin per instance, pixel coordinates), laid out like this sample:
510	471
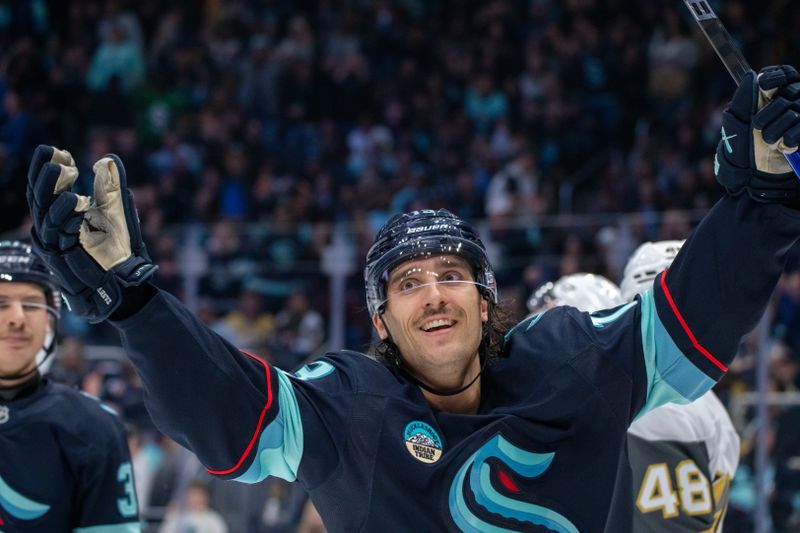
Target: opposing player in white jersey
683	457
586	292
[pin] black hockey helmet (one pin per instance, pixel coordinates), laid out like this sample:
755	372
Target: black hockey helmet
424	233
19	263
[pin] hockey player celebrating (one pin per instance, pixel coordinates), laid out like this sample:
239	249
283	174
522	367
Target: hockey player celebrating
65	461
461	424
683	456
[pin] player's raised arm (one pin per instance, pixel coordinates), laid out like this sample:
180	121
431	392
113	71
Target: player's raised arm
694	314
236	412
719	284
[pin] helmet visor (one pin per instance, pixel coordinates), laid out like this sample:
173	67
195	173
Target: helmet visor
446	274
429	249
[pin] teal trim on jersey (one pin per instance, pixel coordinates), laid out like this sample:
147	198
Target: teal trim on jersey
100	403
671	376
280	446
602	321
534	319
18	505
129	527
315	370
530	321
464	518
528	464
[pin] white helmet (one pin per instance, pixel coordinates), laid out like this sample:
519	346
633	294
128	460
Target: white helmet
645	264
587	292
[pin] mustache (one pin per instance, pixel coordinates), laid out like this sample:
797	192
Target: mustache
432	311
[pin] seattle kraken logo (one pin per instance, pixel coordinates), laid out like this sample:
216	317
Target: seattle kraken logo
475	476
19	506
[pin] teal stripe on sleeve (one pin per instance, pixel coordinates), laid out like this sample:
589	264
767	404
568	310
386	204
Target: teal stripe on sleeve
129	527
529	320
280	446
671	376
600	322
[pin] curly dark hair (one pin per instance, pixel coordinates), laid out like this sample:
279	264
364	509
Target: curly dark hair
492	340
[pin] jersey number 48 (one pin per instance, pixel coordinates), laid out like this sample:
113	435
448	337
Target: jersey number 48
657	491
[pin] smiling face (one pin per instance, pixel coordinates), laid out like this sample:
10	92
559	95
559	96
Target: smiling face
24	322
435	315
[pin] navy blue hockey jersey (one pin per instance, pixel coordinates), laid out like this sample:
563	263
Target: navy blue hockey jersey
64	465
546	449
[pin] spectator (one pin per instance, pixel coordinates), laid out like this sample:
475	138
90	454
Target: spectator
250	323
299	330
196	517
70	366
117	57
285	507
787	322
484	103
146	457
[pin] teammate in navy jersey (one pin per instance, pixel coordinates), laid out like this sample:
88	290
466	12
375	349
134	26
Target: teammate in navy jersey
64	460
460	424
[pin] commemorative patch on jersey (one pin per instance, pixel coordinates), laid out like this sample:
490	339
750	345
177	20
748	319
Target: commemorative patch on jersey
422	442
5	414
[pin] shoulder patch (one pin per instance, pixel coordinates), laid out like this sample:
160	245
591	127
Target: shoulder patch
315	370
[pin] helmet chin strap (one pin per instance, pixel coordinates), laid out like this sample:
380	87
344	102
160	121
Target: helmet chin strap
403	367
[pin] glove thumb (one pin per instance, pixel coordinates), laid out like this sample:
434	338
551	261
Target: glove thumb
745	99
104	233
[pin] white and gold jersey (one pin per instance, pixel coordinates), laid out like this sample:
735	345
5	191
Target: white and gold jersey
683	458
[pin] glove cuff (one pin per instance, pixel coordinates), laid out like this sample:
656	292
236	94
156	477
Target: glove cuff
760	186
771	188
134	271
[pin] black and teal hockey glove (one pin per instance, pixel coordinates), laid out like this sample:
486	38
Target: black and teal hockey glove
760	126
93	244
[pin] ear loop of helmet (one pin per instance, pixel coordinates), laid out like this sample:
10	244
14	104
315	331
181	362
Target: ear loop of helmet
402	366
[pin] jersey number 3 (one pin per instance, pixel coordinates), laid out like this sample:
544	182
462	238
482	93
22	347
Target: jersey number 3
127	505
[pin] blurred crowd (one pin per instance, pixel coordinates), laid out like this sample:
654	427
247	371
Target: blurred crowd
254	131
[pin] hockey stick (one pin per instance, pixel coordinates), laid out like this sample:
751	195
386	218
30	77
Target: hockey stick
722	43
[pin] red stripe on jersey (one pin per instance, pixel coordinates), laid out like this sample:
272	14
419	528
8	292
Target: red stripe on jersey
257	432
685	326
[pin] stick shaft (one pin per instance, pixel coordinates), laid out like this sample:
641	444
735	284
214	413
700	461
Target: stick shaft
721	41
723	44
